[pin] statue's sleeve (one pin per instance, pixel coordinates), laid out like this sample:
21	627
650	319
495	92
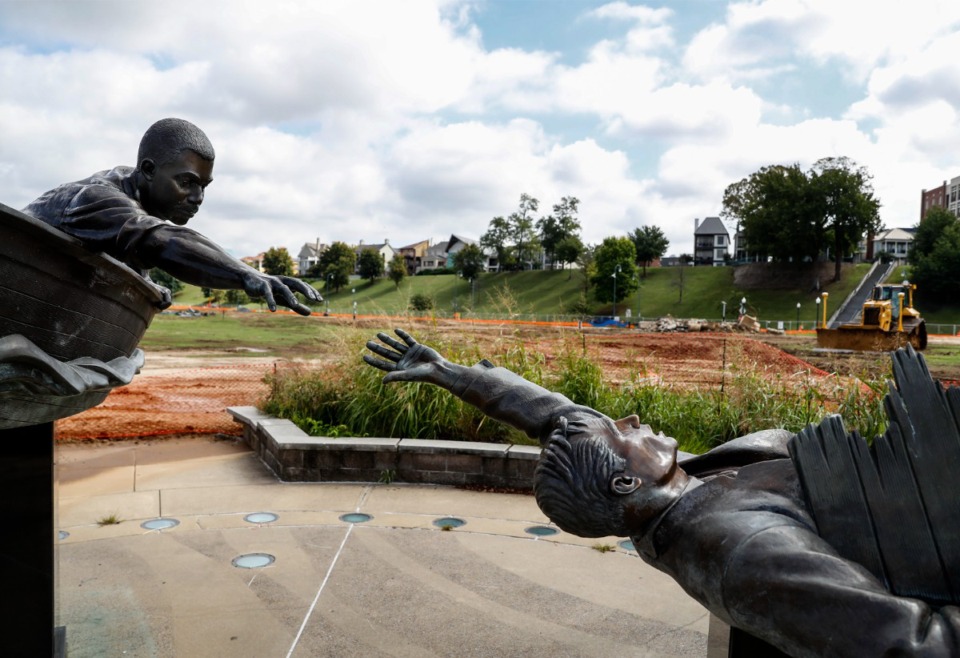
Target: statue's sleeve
108	220
790	588
511	399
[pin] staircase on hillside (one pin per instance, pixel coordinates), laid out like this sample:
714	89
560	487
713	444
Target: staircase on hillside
849	311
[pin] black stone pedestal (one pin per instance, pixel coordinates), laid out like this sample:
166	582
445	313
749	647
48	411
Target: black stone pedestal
27	542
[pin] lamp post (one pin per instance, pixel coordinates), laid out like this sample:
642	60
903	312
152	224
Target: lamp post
798	316
723	312
816	318
743	306
614	275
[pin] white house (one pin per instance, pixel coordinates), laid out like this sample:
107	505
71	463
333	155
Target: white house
894	241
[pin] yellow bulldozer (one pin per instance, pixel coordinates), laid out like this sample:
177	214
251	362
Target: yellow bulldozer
888	321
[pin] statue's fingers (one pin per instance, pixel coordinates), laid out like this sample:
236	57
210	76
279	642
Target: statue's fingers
377	348
268	296
393	342
377	363
407	338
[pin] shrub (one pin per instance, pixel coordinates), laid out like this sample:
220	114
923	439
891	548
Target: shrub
421	302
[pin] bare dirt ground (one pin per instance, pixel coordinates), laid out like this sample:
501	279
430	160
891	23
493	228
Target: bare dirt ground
187	392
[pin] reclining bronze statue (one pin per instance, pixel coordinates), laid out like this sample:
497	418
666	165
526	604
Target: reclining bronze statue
783	536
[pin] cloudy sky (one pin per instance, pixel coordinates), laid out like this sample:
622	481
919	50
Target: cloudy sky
415	119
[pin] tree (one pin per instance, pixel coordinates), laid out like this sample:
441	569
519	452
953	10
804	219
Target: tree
397	269
336	265
935	255
370	265
792	215
588	266
469	261
558	228
928	232
497	238
278	262
236	297
568	250
844	193
521	228
615	256
650	243
773	208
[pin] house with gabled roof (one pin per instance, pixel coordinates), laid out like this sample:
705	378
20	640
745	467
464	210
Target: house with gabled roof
710	241
894	242
384	249
309	255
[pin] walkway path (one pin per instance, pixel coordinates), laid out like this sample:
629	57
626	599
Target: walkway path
396	585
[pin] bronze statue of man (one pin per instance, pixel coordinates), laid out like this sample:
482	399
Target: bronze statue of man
138	216
733	527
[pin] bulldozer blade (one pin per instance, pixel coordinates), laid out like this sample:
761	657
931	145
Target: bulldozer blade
862	339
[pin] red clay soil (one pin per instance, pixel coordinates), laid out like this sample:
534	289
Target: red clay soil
174	396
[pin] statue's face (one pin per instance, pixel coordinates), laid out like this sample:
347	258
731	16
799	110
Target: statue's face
174	190
650	457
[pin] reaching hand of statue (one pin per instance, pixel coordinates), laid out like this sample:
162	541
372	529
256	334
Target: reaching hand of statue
408	361
281	288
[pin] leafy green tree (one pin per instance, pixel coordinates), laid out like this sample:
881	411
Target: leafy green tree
397	269
588	266
650	243
521	229
498	238
236	297
773	208
927	233
469	261
790	214
568	250
935	255
168	281
370	265
559	227
336	265
843	193
615	256
278	262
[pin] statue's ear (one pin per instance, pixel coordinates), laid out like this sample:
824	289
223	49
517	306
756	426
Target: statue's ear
148	168
624	484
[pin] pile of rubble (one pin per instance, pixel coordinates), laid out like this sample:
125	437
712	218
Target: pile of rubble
670	324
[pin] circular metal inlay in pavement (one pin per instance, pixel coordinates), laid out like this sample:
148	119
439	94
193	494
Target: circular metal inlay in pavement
355	517
541	530
449	522
159	524
253	560
261	517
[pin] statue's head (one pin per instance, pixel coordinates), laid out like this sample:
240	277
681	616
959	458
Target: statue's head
175	161
597	477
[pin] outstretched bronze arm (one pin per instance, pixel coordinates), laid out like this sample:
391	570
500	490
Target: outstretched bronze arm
497	392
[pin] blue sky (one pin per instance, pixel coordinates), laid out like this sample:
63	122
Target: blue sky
375	119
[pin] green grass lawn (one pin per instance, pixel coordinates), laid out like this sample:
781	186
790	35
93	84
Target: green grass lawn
547	294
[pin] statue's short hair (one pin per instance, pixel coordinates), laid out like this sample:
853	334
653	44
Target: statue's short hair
572	480
167	138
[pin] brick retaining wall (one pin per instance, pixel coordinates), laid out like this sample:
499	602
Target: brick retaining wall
297	457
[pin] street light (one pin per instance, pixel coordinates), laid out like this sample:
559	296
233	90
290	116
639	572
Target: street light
723	312
816	318
798	315
614	275
743	306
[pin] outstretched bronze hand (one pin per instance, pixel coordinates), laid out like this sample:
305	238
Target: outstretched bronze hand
280	289
409	361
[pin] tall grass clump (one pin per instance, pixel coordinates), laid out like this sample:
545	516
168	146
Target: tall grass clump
350	399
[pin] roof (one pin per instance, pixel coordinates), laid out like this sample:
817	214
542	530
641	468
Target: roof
892	234
711	226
